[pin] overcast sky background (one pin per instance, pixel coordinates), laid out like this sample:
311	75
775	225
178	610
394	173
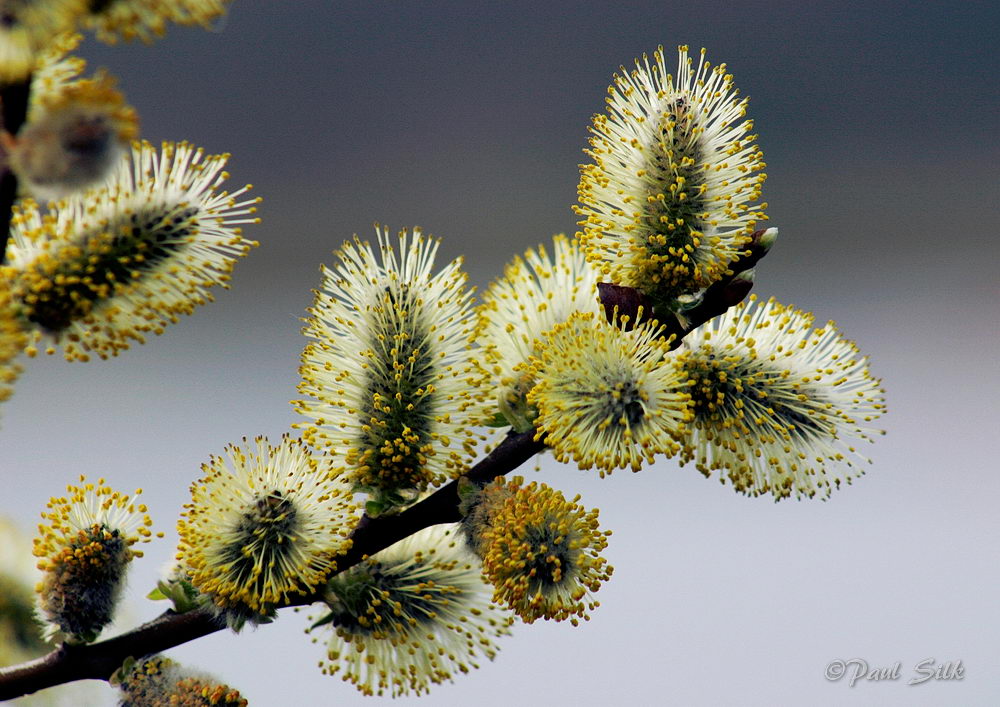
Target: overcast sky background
878	122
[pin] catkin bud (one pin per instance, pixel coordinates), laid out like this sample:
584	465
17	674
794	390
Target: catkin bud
84	552
160	682
75	140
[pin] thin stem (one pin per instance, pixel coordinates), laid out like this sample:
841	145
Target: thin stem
98	661
14	98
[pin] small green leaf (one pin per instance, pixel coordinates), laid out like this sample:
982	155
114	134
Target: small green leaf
498	420
119	676
323	621
468	495
84	637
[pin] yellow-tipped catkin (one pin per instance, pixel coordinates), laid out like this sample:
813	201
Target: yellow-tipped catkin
668	199
13	338
777	405
264	524
607	396
536	292
540	552
388	369
146	20
412	615
28	28
106	268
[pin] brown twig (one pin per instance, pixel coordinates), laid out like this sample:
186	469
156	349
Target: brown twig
97	661
733	289
14	99
727	292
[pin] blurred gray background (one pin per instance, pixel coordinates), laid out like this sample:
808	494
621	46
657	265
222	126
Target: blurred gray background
878	122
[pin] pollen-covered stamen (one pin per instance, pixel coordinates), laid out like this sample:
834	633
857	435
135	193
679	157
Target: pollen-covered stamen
261	541
395	444
27	27
80	588
145	20
377	602
537	291
65	288
156	681
675	216
551	558
13	338
745	393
